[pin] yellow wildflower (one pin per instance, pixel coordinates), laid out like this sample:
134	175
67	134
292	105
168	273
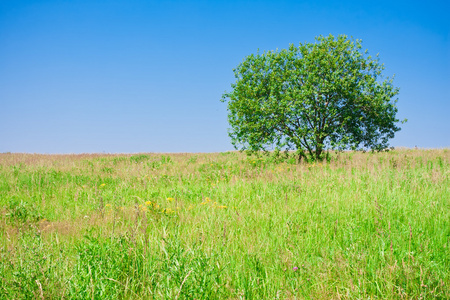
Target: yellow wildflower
148	203
170	199
102	185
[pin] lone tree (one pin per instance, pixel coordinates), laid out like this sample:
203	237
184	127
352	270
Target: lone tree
314	97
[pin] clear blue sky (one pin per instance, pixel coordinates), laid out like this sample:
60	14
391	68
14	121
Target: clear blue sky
147	76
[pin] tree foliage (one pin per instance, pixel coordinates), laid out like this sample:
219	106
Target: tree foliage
324	95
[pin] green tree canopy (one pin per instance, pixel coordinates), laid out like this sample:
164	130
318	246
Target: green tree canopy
324	95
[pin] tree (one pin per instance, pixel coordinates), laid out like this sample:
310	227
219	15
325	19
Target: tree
314	97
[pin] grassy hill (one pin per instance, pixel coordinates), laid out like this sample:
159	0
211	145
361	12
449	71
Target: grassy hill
225	226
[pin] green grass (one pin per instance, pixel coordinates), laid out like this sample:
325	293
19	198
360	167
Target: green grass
225	226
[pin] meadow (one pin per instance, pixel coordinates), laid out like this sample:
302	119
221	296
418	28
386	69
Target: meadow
225	226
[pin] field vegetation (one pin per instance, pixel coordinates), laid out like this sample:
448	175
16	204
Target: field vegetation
225	226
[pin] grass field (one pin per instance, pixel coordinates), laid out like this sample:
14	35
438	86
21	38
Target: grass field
225	226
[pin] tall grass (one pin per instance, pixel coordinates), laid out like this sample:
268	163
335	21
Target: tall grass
225	226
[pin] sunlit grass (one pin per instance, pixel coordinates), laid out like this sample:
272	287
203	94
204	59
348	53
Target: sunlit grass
225	226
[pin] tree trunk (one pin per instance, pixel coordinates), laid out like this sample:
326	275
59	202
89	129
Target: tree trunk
319	149
319	153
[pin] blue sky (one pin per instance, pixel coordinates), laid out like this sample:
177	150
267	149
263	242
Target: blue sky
147	76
